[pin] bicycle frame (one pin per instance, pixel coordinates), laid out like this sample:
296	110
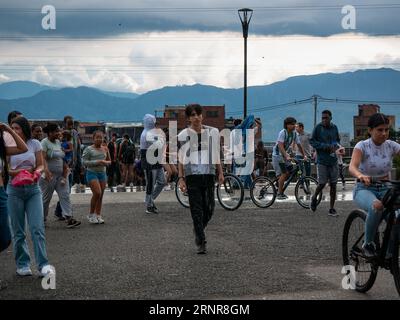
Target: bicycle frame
297	171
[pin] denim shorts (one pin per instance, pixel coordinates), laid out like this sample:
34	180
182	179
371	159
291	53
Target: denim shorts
92	175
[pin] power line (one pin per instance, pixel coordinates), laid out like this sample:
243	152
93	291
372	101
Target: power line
201	9
196	38
299	102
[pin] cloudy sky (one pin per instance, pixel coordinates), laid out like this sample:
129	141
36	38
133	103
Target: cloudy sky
137	46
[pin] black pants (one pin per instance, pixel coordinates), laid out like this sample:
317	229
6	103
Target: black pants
111	171
201	190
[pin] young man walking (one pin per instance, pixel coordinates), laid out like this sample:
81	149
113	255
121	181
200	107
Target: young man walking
199	164
325	140
154	172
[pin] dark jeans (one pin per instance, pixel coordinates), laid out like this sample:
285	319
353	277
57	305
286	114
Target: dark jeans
5	234
201	190
111	172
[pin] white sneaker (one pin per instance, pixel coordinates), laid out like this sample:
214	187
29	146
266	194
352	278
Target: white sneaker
92	219
47	269
100	220
24	272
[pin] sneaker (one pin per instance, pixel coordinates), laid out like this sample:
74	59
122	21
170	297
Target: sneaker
92	219
155	209
369	249
24	272
72	223
150	210
59	218
333	213
100	219
47	269
282	197
313	205
201	249
77	188
63	181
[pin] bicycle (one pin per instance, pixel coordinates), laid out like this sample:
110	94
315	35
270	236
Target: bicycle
386	241
230	194
263	191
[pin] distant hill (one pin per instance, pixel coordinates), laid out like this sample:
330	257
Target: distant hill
89	104
21	89
121	94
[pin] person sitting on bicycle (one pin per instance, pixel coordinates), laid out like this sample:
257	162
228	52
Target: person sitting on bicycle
280	154
372	158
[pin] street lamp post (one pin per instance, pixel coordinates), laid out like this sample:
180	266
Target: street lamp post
245	17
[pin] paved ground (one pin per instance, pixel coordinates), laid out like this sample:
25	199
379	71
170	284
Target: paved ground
283	252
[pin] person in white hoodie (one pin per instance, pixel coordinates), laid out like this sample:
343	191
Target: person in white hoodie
152	165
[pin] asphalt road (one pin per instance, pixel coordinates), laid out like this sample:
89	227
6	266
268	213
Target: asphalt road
283	252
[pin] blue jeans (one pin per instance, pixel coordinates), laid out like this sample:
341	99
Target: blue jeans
364	197
25	202
5	235
155	183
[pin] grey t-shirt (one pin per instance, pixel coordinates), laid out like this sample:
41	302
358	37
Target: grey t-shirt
377	160
305	143
54	156
91	156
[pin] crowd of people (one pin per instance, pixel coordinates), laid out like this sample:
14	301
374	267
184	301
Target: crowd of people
33	167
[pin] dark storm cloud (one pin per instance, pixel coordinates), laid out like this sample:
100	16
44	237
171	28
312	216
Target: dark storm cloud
272	18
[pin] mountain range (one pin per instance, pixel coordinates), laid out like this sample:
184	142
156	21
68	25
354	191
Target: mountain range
38	101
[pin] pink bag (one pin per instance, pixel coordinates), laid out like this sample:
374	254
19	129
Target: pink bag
24	177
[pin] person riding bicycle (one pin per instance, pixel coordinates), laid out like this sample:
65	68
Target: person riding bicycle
372	158
281	156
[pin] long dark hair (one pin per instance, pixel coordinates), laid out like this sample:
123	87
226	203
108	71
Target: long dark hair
25	127
3	156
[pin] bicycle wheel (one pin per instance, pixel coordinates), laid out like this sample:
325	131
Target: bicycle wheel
230	194
182	197
263	192
304	190
396	256
353	236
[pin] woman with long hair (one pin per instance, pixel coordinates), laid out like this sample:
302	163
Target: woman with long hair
25	202
10	144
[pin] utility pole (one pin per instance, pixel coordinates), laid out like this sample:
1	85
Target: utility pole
315	109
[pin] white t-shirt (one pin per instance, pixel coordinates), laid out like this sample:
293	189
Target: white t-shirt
377	160
26	160
287	140
200	151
